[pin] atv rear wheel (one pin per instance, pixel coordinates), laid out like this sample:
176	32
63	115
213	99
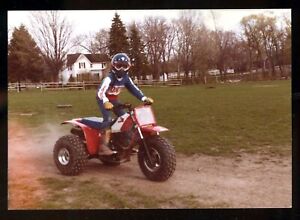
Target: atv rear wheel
70	155
163	158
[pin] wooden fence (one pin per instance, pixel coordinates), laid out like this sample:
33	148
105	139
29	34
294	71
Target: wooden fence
84	85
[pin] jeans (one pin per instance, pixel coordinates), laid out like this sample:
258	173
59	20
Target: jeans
107	114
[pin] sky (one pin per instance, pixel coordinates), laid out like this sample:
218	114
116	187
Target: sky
85	22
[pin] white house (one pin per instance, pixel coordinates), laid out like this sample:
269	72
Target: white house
214	72
80	63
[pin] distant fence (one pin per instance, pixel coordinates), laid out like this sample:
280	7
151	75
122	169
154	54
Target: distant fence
84	85
170	82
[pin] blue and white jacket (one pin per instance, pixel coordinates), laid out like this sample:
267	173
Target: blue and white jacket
111	87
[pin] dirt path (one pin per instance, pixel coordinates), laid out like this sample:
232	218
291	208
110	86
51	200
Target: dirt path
243	181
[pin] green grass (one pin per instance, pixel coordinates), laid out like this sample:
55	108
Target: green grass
244	117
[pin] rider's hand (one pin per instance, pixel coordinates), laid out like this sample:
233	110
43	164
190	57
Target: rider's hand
148	100
108	105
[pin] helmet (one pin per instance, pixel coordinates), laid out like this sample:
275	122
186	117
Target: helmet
121	64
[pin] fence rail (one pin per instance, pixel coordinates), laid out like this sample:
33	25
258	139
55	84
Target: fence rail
84	85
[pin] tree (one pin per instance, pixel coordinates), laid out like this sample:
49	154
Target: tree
225	41
101	41
53	34
264	38
287	38
118	40
185	34
204	52
188	34
94	43
267	29
239	55
224	44
154	34
136	52
169	48
24	57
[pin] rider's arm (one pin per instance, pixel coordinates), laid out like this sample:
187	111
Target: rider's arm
103	88
134	90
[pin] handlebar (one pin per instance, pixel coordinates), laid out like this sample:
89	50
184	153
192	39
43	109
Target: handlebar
126	105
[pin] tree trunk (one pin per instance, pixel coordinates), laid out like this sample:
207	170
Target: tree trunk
54	77
155	70
279	61
19	86
273	68
250	65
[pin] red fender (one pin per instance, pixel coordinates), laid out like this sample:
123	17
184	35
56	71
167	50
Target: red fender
153	129
92	136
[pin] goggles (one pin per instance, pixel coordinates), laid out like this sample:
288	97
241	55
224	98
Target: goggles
121	65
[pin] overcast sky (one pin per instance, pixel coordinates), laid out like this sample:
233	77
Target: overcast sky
85	22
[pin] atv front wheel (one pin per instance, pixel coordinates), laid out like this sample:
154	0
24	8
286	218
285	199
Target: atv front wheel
70	155
163	159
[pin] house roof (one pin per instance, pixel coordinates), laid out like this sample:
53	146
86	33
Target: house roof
93	58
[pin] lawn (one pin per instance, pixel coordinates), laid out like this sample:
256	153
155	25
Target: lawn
214	120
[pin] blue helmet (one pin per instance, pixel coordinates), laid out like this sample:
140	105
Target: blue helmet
121	64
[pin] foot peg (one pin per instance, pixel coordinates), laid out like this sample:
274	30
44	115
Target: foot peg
134	151
107	153
105	150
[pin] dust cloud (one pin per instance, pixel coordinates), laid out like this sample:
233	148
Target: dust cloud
29	158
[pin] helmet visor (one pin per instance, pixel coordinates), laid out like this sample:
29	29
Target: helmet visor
122	65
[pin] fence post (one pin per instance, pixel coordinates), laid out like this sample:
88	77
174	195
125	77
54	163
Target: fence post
19	87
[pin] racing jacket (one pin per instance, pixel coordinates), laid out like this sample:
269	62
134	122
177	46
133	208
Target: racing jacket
111	86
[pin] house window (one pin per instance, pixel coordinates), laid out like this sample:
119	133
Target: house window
103	65
69	67
82	65
91	65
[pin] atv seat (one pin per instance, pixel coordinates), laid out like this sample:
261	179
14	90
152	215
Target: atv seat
94	122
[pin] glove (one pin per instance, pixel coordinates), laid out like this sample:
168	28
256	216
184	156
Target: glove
108	105
148	100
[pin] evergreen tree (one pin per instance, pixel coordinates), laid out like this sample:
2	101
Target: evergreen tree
136	53
118	41
24	57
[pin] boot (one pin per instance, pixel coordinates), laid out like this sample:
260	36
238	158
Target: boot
104	149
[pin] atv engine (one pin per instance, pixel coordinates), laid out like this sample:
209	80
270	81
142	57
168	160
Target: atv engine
122	141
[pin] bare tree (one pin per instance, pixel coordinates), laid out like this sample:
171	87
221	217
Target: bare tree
203	52
281	39
101	41
287	38
154	34
169	47
267	29
254	42
224	46
53	35
85	42
185	34
94	43
266	40
240	56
